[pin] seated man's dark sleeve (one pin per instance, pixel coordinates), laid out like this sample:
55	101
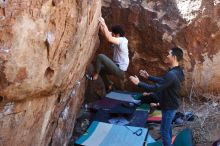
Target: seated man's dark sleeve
149	99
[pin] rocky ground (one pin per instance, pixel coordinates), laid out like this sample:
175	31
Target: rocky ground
205	127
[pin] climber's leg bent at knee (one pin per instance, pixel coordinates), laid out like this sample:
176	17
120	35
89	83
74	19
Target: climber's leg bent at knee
120	61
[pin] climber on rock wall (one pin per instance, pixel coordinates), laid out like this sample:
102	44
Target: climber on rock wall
119	64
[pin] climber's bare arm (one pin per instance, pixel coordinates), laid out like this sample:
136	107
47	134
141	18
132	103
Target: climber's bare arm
107	33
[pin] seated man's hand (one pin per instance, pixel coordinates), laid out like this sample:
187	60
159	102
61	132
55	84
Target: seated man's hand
154	104
146	94
134	79
144	73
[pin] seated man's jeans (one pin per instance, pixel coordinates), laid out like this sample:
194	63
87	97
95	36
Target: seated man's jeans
166	128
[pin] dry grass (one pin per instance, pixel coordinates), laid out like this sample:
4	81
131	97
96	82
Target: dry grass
206	107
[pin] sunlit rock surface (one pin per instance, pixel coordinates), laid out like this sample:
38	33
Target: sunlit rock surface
45	47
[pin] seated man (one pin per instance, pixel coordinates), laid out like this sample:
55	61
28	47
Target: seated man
104	65
152	99
168	88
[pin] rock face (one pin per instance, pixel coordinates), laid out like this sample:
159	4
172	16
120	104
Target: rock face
45	47
153	27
